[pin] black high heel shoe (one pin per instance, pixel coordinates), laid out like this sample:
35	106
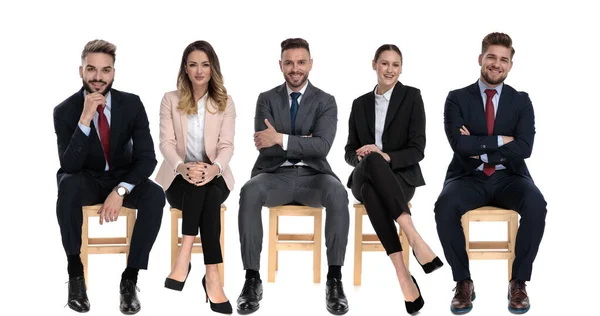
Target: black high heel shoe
416	305
223	308
177	285
429	267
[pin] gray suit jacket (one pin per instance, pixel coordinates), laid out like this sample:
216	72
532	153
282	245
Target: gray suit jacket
317	116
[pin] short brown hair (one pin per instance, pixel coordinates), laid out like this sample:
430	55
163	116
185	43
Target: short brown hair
497	38
99	46
292	43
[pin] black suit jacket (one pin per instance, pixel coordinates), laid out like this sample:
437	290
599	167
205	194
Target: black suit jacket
132	157
403	137
514	117
317	118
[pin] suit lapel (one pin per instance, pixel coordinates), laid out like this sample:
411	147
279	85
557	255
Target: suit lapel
477	108
369	107
304	108
210	120
398	95
116	116
283	109
503	113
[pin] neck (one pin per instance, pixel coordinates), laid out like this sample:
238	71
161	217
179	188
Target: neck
199	92
489	85
381	88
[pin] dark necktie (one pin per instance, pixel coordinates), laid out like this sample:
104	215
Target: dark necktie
104	131
293	112
489	119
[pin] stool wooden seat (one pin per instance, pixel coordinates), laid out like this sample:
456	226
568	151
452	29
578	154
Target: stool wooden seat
176	214
491	250
104	245
310	242
370	242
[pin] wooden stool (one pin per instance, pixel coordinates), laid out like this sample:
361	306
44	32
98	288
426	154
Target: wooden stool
104	245
370	242
279	241
490	250
197	247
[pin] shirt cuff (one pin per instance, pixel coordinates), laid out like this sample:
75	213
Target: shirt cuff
220	169
285	141
484	158
127	186
177	166
500	142
85	129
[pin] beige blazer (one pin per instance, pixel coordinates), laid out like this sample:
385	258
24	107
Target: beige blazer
219	130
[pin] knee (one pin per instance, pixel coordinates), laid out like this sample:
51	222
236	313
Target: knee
70	182
374	159
336	194
252	192
533	208
447	209
154	195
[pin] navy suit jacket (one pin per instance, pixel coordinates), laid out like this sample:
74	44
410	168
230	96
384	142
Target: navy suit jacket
514	117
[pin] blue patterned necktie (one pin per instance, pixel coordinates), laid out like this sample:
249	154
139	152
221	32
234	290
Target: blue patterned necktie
293	112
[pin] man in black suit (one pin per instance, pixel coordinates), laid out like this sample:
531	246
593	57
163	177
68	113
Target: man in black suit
106	156
490	127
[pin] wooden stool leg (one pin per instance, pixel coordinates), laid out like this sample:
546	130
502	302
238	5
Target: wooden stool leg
222	241
465	224
317	248
277	252
174	237
272	244
84	246
130	224
358	240
405	247
513	226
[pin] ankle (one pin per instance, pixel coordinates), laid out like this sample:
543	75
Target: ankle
252	274
130	274
335	272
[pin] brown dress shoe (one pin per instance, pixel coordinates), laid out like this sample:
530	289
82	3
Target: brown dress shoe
518	301
464	295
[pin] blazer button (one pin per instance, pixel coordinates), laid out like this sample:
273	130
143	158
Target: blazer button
482	146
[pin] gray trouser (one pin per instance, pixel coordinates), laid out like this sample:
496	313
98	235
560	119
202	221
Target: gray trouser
287	185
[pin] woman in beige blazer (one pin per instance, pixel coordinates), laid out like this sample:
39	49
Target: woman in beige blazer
197	125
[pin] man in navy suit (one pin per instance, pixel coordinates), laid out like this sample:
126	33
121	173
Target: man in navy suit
106	156
490	127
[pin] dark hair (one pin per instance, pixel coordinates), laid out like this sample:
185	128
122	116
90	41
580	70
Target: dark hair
385	47
497	39
292	43
99	46
216	89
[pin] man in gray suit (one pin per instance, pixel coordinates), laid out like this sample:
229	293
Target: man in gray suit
295	126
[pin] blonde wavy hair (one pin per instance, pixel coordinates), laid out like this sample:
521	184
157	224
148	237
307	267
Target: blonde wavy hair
216	89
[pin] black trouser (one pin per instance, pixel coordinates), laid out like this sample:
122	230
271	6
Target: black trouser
385	196
201	208
80	189
504	190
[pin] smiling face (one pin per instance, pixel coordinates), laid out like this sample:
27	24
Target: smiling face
295	64
388	67
97	72
495	65
197	68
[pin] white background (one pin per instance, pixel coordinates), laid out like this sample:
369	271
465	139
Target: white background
555	62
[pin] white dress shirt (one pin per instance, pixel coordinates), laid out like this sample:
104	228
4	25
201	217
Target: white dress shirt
495	101
382	101
286	136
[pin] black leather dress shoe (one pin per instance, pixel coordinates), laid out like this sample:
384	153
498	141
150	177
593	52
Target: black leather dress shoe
130	304
78	300
335	298
251	294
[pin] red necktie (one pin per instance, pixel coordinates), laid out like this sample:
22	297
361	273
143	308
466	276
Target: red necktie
489	119
104	130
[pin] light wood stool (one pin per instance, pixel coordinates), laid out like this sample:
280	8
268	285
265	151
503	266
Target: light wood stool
311	242
370	242
491	250
104	245
197	247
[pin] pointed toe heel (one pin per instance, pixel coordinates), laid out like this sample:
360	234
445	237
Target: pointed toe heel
416	305
177	285
429	267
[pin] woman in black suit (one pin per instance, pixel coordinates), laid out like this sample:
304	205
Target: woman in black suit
386	141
